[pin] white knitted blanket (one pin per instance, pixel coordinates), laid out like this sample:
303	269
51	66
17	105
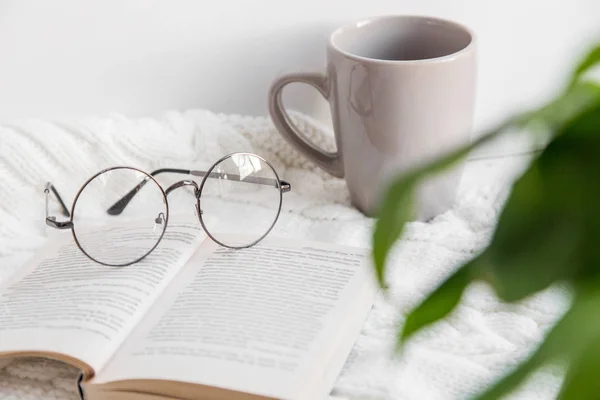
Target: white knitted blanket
453	359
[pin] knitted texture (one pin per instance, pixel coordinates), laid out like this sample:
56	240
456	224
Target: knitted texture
453	359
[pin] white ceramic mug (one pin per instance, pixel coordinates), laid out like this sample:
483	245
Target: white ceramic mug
401	91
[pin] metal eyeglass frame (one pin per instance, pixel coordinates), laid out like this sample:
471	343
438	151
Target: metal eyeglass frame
118	207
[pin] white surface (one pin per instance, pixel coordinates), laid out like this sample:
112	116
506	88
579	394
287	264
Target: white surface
451	360
139	57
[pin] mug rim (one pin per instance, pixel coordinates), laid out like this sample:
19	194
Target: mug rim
448	57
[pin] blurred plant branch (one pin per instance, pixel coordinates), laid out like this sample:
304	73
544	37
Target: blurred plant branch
548	232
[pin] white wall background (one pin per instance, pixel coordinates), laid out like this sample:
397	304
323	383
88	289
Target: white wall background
139	57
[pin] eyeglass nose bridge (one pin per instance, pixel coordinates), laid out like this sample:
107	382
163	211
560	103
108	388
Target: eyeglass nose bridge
183	183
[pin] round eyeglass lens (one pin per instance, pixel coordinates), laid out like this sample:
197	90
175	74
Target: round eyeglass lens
119	216
240	200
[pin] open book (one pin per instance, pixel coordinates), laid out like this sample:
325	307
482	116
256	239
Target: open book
193	320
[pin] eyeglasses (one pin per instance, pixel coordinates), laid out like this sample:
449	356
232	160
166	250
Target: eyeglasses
119	216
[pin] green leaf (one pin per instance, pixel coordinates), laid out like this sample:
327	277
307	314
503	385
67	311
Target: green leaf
523	370
585	126
550	224
581	382
570	338
589	61
396	208
558	113
438	304
548	232
534	241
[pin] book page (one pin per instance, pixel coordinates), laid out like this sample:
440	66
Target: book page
258	320
63	302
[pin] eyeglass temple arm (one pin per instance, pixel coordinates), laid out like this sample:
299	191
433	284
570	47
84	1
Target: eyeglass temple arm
120	205
51	220
285	186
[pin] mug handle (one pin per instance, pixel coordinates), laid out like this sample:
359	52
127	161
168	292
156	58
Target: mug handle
329	162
